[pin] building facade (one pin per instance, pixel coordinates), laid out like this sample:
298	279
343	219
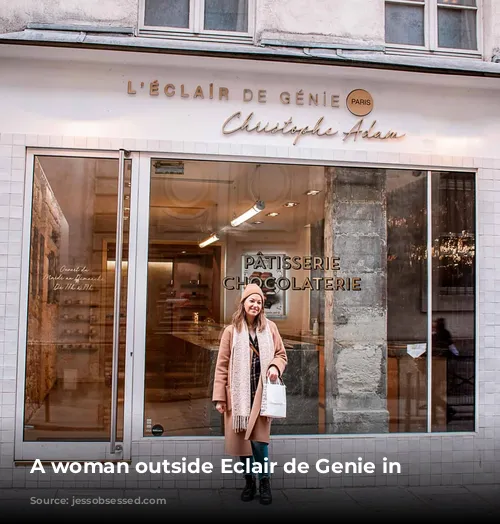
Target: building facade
155	156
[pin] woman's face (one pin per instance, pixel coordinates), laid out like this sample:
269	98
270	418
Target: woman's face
253	306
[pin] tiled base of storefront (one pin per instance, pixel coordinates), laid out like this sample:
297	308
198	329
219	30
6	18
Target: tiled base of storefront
423	461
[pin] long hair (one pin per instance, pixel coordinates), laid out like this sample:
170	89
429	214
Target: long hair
239	316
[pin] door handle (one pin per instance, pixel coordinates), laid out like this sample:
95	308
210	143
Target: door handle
114	447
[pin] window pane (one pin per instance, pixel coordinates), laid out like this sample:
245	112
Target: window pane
453	301
188	306
457	28
226	15
167	13
404	24
469	3
406	311
69	350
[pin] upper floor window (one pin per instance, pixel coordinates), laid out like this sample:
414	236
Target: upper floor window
204	18
433	24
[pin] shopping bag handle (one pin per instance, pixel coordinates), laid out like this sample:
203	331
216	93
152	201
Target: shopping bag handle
279	380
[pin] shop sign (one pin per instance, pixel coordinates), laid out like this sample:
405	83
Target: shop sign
359	102
269	272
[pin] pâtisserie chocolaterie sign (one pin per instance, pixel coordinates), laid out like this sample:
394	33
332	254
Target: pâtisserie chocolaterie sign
327	282
359	102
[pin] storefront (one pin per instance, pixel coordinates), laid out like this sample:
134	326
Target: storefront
140	193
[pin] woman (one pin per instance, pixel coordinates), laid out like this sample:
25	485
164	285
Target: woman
250	349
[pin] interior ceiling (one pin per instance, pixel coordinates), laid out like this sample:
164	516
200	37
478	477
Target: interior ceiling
225	190
206	197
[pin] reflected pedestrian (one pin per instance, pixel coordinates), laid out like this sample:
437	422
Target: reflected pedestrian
443	345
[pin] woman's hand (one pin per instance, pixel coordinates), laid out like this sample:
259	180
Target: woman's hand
220	407
272	373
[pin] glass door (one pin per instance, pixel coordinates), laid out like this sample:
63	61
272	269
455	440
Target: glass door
78	284
178	300
204	227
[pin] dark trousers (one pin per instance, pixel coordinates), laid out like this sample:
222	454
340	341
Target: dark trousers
260	451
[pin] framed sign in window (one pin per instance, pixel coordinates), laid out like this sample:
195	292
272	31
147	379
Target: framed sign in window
264	269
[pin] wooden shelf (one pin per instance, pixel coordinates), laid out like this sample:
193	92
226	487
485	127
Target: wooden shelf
194	306
62	304
78	349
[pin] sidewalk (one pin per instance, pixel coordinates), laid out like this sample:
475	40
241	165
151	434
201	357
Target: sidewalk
461	503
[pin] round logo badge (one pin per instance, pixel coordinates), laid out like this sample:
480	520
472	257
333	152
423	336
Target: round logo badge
359	102
157	430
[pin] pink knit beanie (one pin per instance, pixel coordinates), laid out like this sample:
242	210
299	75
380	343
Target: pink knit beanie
252	289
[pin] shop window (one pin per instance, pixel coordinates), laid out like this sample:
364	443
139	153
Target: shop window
198	18
452	317
433	25
455	244
341	256
453	301
70	328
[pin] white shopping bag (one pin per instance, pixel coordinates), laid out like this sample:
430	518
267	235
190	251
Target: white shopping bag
273	399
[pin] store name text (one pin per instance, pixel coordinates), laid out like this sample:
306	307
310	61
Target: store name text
359	102
277	281
318	129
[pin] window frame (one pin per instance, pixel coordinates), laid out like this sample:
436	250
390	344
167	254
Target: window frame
196	30
431	29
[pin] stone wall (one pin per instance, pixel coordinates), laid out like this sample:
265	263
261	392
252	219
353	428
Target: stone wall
356	321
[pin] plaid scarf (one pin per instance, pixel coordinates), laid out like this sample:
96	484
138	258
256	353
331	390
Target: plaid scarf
255	370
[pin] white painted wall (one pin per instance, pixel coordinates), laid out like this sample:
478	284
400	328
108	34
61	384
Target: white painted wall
491	23
439	115
355	21
15	15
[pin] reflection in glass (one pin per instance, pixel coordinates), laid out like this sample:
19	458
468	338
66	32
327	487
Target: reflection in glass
167	13
188	306
70	307
453	301
356	332
457	28
469	3
404	24
406	311
226	15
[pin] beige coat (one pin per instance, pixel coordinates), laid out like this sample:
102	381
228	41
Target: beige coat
259	428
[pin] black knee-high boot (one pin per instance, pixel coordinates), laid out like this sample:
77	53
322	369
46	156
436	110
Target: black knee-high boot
249	490
265	491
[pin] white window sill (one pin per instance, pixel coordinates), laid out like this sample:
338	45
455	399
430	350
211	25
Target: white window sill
198	37
440	53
